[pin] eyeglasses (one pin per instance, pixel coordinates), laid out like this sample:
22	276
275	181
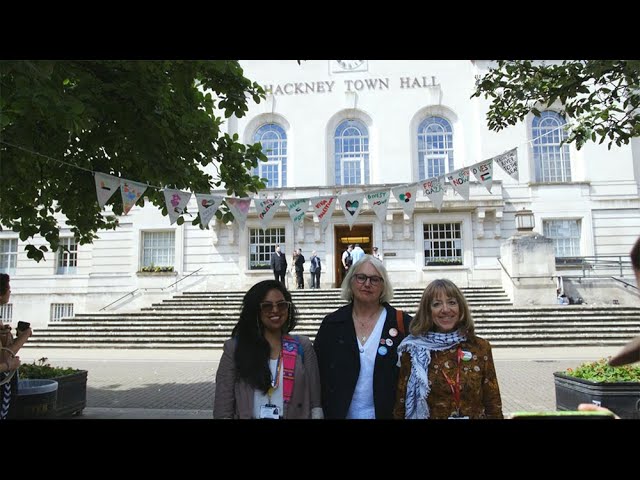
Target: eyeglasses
281	307
374	280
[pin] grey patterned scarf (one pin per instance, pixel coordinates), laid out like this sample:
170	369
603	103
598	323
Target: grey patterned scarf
420	348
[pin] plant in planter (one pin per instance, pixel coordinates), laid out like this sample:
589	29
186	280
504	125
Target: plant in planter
153	269
616	388
72	385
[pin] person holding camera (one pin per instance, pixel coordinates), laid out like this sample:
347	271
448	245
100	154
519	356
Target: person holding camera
265	372
9	362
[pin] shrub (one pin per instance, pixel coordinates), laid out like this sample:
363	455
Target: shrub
41	369
601	371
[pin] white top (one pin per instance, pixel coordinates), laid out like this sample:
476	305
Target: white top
357	254
362	405
277	399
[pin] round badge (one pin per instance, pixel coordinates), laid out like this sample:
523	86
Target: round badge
466	356
382	350
393	332
389	342
382	341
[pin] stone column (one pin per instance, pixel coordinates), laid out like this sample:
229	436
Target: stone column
530	264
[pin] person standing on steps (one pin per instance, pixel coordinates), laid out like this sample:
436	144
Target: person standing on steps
279	265
298	262
315	270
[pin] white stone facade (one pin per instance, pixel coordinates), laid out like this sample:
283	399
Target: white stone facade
391	98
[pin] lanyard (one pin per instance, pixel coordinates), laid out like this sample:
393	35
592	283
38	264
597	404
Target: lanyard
455	386
275	381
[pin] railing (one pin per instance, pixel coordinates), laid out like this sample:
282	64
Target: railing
524	276
596	266
149	288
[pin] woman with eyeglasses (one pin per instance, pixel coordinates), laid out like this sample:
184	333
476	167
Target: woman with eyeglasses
264	371
446	370
357	346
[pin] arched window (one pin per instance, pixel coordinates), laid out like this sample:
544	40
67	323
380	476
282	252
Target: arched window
435	147
551	159
274	145
352	153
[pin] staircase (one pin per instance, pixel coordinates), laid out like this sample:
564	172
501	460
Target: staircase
205	320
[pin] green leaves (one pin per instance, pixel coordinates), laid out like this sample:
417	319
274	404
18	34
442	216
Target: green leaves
147	121
600	371
596	96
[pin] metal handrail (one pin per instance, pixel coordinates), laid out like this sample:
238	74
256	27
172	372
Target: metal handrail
525	276
150	288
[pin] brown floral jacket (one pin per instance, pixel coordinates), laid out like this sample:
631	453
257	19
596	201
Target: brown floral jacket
479	391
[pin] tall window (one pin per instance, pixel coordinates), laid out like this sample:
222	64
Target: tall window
435	147
274	145
551	159
67	261
352	153
8	255
158	249
262	244
565	235
61	310
442	244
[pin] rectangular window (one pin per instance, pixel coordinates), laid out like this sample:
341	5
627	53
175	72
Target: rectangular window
67	261
158	249
262	243
8	255
6	312
61	310
565	235
442	244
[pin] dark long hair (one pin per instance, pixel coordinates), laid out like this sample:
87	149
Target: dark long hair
4	283
252	349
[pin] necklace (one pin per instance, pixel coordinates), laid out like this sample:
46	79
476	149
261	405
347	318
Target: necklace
363	327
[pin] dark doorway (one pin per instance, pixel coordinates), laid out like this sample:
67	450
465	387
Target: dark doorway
362	234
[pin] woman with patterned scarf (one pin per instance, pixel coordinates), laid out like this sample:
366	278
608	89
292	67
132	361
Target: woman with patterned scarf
446	371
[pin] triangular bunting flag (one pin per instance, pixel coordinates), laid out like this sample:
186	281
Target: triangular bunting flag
406	195
484	173
106	186
207	207
351	205
509	162
323	208
460	181
379	202
434	189
266	208
176	201
239	207
296	208
131	192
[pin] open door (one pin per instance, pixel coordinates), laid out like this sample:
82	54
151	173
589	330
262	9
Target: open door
362	234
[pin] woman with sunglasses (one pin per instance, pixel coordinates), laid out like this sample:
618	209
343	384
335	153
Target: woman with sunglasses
264	371
356	346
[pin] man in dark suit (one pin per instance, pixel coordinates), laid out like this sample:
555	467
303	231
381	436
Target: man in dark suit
279	265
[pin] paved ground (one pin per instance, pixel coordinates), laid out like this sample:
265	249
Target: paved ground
179	384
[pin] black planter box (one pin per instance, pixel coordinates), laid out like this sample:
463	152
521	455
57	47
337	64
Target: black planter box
623	398
72	394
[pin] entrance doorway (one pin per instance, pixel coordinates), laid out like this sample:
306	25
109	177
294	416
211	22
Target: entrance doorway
362	234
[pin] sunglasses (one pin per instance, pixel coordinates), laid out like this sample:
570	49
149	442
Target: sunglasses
281	307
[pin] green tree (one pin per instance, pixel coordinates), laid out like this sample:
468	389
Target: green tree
150	121
600	98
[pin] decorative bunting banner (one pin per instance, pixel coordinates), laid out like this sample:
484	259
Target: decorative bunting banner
379	202
509	162
484	173
240	209
266	208
351	205
406	195
323	208
434	189
296	208
459	179
176	201
106	186
131	192
207	207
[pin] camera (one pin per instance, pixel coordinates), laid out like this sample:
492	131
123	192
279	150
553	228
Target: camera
22	326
